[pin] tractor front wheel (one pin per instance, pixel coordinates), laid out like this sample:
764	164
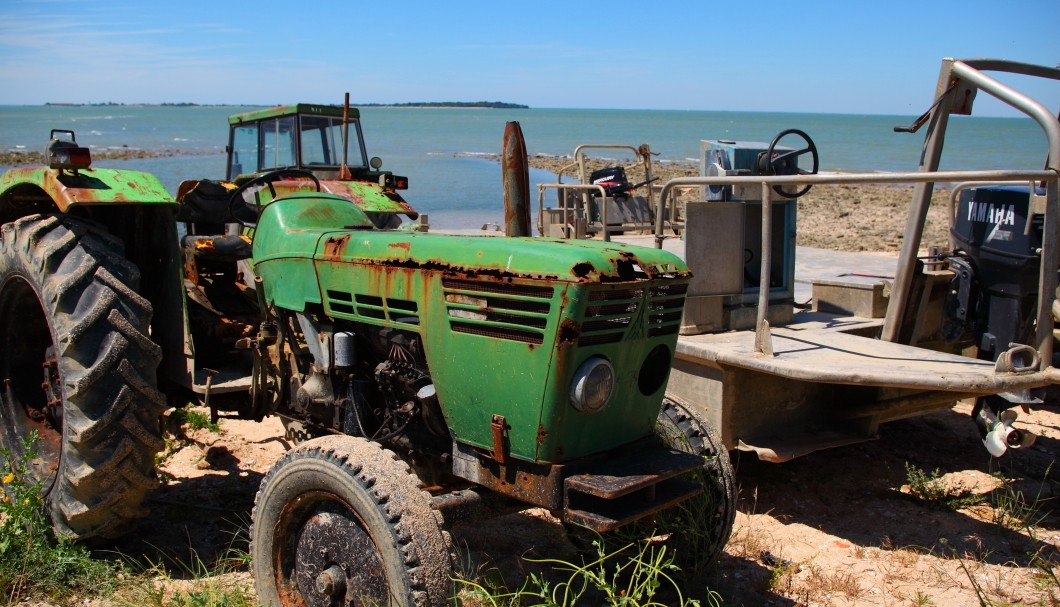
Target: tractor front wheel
339	520
77	370
700	526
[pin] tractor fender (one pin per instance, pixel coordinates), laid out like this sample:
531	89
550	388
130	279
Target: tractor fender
34	187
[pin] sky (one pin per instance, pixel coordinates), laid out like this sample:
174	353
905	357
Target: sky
850	56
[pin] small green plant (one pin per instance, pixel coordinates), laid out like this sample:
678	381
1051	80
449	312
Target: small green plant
34	563
1014	510
627	576
196	420
932	490
921	600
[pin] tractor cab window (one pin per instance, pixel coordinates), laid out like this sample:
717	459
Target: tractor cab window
321	139
278	143
244	150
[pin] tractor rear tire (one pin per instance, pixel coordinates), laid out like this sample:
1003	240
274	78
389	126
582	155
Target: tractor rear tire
339	520
701	526
77	369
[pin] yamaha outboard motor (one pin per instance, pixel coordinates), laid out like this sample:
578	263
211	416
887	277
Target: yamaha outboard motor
993	295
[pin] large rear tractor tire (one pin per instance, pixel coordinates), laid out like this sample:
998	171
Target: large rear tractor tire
78	368
339	520
700	527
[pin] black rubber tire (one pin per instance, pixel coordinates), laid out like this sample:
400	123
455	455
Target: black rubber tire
711	514
323	507
68	303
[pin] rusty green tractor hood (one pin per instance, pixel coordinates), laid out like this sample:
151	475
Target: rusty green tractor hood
85	187
505	322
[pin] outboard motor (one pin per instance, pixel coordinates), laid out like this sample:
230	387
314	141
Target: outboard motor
993	295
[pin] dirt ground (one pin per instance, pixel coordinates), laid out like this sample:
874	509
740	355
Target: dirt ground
838	527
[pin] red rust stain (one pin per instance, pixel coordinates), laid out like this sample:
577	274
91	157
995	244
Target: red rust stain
569	330
406	245
542	434
334	246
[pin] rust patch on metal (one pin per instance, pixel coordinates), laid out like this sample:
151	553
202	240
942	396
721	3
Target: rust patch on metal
404	244
569	330
581	270
334	245
499	428
542	434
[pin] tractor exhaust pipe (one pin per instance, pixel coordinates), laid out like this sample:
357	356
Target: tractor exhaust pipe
515	176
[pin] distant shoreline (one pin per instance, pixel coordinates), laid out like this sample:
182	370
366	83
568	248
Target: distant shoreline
502	105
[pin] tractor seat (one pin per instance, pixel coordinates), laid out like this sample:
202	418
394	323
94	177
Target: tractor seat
227	247
206	202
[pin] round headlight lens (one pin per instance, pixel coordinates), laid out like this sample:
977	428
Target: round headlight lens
592	386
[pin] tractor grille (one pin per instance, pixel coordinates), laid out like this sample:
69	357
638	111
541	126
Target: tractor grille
498	310
616	314
361	306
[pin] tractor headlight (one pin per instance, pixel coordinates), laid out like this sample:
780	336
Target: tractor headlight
593	383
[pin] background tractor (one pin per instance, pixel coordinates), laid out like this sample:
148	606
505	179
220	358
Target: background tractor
427	379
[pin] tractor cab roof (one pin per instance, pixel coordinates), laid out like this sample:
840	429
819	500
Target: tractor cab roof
290	110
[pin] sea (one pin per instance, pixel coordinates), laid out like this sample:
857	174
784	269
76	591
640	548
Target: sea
445	152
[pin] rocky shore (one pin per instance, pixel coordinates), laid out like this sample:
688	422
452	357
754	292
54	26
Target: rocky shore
18	158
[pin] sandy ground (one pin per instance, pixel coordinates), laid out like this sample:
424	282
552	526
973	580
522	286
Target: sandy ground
837	527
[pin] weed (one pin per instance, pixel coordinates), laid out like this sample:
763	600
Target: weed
625	576
200	585
1013	510
920	599
782	576
1045	577
34	563
931	489
196	420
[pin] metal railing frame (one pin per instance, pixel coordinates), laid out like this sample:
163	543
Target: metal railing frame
954	91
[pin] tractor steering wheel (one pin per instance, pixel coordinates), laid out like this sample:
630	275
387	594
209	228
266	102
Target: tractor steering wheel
773	163
247	215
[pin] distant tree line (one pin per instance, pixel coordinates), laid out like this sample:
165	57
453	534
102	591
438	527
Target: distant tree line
487	104
476	104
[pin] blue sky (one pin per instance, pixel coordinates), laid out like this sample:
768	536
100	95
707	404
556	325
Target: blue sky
758	55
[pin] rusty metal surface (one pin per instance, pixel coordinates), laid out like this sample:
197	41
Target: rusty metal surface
633	472
515	175
629	487
540	485
604	516
88	186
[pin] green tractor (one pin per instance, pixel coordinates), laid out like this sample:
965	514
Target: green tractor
426	379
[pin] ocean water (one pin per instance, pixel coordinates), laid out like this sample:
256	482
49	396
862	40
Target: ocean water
441	149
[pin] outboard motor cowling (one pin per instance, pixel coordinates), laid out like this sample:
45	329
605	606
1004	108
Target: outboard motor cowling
996	287
994	293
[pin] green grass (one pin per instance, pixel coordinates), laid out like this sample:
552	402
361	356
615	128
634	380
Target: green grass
196	420
34	563
631	575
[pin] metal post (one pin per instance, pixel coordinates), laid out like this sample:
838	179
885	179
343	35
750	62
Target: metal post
767	259
515	175
914	226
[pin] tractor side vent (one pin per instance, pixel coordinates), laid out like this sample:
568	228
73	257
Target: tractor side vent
361	306
614	315
609	315
498	310
665	305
